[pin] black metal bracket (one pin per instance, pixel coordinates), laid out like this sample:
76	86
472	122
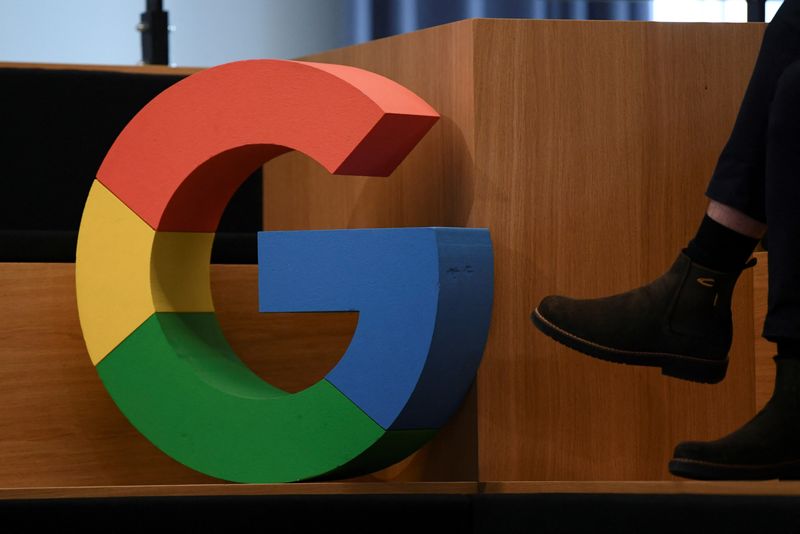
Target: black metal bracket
756	10
154	28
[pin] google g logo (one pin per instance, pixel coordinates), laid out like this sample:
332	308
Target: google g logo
423	294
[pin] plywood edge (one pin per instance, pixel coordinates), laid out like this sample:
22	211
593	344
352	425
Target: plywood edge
210	490
131	69
766	488
645	487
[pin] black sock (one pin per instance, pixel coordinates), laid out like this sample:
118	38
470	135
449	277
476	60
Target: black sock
718	247
788	348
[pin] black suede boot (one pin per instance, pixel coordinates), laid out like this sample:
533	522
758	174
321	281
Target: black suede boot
767	447
680	322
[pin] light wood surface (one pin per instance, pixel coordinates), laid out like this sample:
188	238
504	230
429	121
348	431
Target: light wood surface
424	191
597	144
586	148
290	351
764	350
295	350
61	428
428	188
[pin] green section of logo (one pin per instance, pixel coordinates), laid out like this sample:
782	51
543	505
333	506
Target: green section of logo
181	385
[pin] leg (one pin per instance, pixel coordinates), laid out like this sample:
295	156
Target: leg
738	179
681	322
783	210
736	220
737	186
769	445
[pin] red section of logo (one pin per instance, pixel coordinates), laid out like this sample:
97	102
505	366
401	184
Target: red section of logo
220	125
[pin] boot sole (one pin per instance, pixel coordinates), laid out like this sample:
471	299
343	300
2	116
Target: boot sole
702	470
705	371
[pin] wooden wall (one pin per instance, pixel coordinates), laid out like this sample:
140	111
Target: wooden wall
585	147
59	425
425	191
61	428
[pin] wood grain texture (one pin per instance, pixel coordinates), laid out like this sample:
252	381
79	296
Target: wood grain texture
596	144
764	350
295	350
289	350
586	148
430	188
60	426
427	189
87	441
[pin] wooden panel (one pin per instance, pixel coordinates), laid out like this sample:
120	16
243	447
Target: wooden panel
310	488
290	351
585	147
293	351
426	190
412	488
61	428
431	187
597	141
764	350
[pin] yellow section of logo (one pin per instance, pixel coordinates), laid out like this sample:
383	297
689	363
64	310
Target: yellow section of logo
126	271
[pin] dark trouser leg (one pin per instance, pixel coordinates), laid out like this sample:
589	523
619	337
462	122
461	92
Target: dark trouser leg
681	322
768	446
758	171
783	208
739	180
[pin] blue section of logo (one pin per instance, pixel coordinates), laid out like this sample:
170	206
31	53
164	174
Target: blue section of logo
424	297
